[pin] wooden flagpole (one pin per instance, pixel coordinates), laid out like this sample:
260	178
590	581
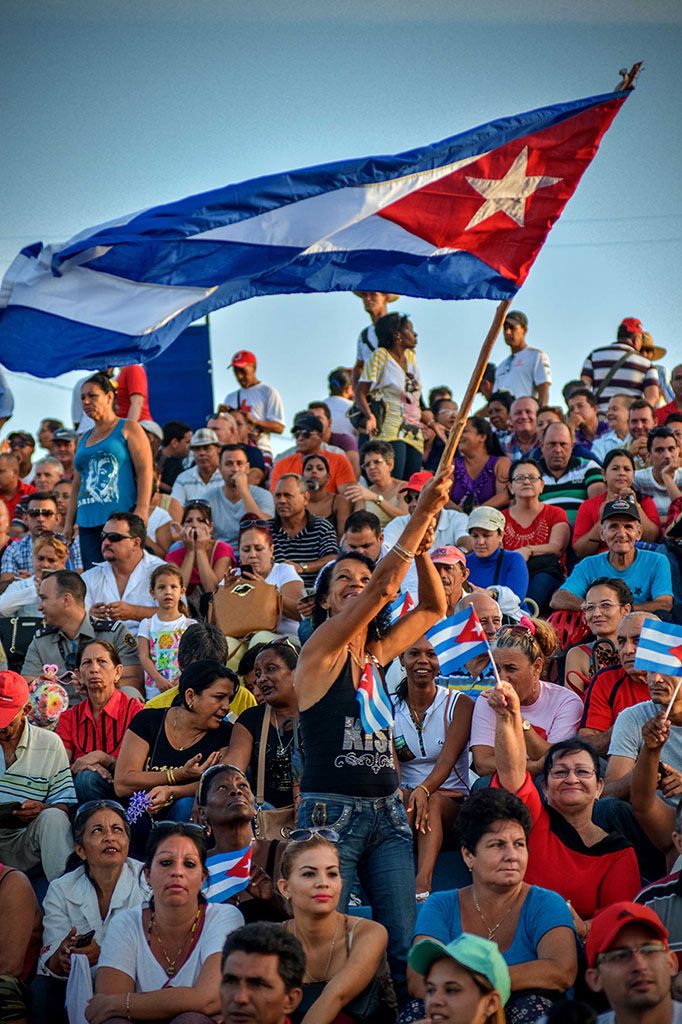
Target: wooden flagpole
473	386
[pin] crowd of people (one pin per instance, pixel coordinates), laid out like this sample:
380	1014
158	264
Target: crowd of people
334	733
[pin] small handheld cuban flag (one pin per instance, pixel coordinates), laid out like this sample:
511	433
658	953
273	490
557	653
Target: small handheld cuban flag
400	606
458	639
228	874
660	648
376	712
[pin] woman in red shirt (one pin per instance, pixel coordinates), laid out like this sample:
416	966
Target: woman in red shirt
568	853
540	532
619	475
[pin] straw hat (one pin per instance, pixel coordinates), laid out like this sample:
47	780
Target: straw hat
648	347
390	296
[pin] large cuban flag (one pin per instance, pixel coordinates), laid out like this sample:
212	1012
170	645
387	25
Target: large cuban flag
459	219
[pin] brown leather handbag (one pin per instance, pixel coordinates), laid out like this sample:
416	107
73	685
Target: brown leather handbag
274	822
245	607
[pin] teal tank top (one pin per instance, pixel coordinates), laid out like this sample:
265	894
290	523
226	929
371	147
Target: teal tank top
107	480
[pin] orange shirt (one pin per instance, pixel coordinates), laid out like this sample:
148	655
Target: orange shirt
340	470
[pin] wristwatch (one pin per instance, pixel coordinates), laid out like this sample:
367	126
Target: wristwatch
525	724
379	500
304	566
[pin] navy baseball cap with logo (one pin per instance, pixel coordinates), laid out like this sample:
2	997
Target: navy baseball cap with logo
620	507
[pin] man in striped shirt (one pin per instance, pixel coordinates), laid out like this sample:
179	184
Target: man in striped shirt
635	376
568	479
36	787
308	542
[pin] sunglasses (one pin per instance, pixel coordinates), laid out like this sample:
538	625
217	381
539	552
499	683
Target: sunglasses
257	524
91	806
197	501
304	835
43	513
115	537
301	433
214	770
282	641
168	826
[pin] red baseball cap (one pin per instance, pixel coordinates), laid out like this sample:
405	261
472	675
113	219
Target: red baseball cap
448	555
13	696
632	325
243	358
607	923
416	481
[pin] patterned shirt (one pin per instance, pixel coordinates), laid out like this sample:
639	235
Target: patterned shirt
40	772
570	490
18	556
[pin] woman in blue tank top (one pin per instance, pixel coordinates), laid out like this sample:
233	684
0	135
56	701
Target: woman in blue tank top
350	782
112	469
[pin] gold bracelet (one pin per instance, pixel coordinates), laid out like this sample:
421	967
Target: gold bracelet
128	1006
170	777
422	786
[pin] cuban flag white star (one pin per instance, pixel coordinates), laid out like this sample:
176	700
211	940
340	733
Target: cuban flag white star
509	194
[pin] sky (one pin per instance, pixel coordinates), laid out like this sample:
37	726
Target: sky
111	106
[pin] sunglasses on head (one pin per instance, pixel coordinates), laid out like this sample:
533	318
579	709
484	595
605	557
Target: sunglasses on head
258	524
197	501
115	537
282	641
95	805
168	826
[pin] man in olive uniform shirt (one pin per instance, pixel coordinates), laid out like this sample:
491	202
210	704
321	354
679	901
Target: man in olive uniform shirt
62	602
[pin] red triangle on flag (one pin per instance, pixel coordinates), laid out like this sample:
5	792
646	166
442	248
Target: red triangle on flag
676	652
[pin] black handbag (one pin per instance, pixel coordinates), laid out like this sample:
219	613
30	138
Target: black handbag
16	633
358	419
548	563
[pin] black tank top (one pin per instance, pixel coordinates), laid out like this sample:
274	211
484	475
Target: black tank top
339	756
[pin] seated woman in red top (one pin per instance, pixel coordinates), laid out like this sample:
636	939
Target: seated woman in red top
607	602
539	532
619	475
567	851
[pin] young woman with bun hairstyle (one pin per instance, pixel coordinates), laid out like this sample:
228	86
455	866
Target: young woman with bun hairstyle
549	712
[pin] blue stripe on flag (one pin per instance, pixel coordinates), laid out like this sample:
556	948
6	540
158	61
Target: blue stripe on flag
653	650
445	639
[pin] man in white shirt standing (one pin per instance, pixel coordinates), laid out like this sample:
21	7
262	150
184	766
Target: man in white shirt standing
118	587
261	404
526	371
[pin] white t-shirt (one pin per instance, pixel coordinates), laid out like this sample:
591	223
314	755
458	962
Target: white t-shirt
338	407
164	640
263	403
644	479
125	947
364	348
157	518
610	1017
521	372
280	574
555	715
435	725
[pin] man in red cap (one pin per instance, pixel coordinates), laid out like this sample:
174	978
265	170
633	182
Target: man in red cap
619	369
629	960
36	787
450	526
261	404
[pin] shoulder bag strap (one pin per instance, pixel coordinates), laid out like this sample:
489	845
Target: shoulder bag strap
498	567
260	778
612	372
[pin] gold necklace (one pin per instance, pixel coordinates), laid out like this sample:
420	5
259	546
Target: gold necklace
181	746
491	931
329	958
170	970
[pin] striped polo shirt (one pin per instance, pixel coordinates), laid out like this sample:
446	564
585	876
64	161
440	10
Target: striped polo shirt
631	378
316	539
570	490
665	898
41	770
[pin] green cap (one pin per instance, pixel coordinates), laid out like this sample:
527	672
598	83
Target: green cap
470	951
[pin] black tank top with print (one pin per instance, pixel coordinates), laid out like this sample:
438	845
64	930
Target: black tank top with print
339	756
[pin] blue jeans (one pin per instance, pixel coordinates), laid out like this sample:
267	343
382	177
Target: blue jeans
91	786
376	842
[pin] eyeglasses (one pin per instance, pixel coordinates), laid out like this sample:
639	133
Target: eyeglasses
43	513
583	774
304	835
517	478
603	606
91	806
623	956
115	537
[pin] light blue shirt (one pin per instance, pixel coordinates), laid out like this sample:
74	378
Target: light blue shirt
648	577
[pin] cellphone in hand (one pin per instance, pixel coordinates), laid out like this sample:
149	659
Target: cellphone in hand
84	940
246	568
308	592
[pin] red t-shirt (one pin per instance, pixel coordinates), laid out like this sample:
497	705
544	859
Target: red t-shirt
22	489
220	550
340	470
590	509
611	690
517	536
664	411
132	380
590	877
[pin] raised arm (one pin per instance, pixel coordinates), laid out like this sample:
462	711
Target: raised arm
510	746
656	817
431	607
